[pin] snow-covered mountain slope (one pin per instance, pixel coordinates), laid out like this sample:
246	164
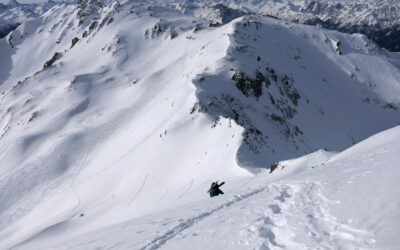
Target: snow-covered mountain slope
14	13
379	20
122	110
296	89
347	200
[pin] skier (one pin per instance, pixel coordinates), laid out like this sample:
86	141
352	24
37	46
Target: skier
214	189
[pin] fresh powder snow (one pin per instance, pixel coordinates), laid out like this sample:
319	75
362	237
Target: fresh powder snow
116	117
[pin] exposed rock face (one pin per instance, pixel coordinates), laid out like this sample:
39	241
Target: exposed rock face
87	8
220	14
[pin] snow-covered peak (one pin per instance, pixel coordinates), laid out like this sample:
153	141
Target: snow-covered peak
215	13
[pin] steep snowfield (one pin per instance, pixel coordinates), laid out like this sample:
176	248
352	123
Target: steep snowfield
113	113
347	200
296	89
107	130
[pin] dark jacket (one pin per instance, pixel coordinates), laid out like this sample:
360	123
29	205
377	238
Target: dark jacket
214	189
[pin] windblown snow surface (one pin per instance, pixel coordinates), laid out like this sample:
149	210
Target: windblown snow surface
115	119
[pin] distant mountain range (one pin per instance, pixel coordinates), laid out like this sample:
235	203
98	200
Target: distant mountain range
14	13
378	20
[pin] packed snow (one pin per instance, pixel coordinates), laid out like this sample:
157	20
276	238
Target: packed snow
116	118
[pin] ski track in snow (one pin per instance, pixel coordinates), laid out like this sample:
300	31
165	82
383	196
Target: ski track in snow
305	201
289	209
187	189
159	241
302	202
139	190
